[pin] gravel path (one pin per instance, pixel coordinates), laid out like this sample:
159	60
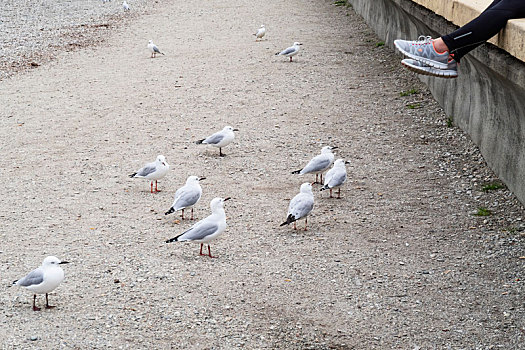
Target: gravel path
400	262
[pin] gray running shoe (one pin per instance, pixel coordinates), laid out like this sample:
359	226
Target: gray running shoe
421	68
423	50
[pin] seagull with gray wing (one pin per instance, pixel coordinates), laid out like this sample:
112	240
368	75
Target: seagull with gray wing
187	196
154	49
319	163
291	51
300	206
335	177
153	171
44	279
207	229
220	139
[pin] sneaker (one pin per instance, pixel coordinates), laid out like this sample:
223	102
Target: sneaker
421	68
423	50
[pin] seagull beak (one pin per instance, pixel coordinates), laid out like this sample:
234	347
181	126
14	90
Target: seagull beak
335	147
63	262
202	178
163	163
235	129
300	43
347	162
227	198
313	183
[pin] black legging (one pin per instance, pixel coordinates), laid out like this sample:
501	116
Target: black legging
483	27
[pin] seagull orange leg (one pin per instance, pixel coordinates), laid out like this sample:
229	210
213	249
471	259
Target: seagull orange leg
191	214
151	190
209	252
47	304
305	223
330	193
294	226
339	193
182	215
156	189
201	249
34	303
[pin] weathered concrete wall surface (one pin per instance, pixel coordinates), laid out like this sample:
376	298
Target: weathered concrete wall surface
487	100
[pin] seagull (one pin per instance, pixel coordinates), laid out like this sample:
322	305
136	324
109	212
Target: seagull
154	49
220	139
153	171
44	279
187	196
291	51
207	229
335	177
260	32
125	6
300	206
319	163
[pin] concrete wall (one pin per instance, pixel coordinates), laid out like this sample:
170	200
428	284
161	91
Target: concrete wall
487	100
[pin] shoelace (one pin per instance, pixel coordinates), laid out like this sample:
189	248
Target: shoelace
424	38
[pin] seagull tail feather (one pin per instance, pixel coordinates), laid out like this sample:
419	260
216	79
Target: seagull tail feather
296	171
176	238
132	175
289	220
325	187
169	211
199	141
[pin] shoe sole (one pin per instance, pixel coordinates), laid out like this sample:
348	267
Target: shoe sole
426	61
430	74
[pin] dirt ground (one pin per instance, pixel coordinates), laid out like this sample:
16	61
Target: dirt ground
400	262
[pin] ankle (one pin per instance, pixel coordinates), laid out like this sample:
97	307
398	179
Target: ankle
440	46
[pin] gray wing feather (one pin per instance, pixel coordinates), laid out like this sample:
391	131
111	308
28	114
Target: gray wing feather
287	51
337	179
33	278
156	49
186	199
199	232
148	169
316	165
300	206
214	139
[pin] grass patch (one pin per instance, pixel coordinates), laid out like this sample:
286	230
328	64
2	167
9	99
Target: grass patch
380	44
492	186
408	92
450	121
414	106
482	211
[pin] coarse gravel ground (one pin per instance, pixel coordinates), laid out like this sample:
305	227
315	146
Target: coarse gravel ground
400	262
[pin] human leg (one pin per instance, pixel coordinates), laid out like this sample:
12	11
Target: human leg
483	27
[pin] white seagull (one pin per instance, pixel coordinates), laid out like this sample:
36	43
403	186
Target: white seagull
207	229
319	163
125	6
153	171
187	196
44	279
154	49
335	177
290	52
260	32
300	206
220	139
